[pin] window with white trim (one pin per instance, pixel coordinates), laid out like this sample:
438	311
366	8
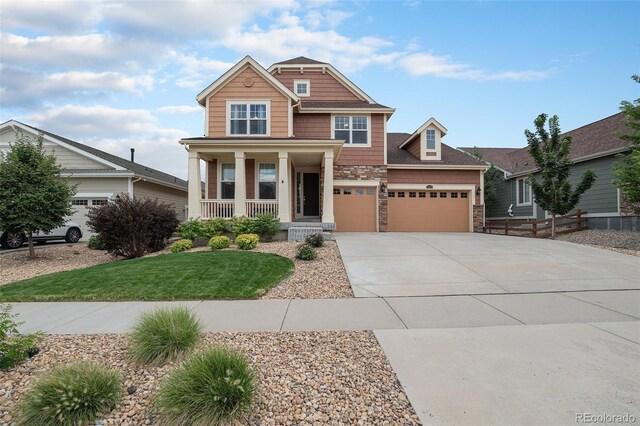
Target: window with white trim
248	118
431	139
523	192
267	181
302	88
227	181
353	130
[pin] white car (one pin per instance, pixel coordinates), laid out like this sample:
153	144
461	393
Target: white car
69	232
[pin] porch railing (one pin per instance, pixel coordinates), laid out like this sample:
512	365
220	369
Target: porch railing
258	207
216	208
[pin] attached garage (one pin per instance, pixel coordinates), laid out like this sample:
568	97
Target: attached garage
414	210
355	209
81	206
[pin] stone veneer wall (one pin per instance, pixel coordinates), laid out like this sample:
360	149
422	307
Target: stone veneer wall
356	173
478	218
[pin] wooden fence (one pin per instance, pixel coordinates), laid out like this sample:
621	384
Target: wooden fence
538	228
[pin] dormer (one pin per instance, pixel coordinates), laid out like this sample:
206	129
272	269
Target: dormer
426	142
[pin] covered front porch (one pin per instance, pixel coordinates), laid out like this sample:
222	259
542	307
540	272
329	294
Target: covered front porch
291	179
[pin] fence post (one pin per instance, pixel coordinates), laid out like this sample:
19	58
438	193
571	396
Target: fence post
534	228
506	227
579	217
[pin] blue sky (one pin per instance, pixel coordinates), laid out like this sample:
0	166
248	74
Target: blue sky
121	74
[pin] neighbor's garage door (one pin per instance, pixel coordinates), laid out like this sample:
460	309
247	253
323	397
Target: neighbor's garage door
354	209
81	207
428	211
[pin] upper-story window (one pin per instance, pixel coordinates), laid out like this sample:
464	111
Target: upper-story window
248	118
302	87
523	192
431	139
354	130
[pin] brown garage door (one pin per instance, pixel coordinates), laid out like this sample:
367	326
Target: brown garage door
429	211
354	209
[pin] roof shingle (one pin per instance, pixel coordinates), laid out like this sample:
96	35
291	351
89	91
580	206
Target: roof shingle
450	156
300	60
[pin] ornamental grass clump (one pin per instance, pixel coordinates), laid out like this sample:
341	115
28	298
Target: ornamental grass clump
181	245
247	241
215	386
71	394
163	335
218	243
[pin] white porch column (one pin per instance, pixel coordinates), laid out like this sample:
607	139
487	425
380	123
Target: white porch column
327	199
284	205
195	187
241	186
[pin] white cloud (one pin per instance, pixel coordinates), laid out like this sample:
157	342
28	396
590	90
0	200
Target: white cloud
181	109
419	64
54	16
330	18
196	72
116	131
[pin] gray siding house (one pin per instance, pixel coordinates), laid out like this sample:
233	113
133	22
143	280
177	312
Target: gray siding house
594	146
101	176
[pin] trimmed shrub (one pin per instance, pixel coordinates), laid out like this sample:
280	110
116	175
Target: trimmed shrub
70	395
14	347
243	225
267	226
213	227
131	227
163	335
95	243
316	239
181	245
220	242
190	229
306	252
215	386
247	241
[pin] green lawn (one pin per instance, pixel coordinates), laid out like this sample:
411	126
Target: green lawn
182	276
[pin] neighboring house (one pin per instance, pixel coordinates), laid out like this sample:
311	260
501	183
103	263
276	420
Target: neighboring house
303	142
594	146
101	176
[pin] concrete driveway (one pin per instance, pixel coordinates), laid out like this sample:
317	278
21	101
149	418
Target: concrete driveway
429	264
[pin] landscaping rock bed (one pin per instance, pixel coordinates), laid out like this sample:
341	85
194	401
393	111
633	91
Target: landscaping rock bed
304	377
322	278
17	266
627	242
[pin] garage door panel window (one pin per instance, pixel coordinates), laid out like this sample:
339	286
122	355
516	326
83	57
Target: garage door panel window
79	202
346	191
99	202
422	194
391	194
336	191
371	191
412	194
433	195
454	195
400	194
464	195
443	195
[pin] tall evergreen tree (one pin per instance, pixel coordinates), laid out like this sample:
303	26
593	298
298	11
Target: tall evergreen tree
553	191
627	170
33	194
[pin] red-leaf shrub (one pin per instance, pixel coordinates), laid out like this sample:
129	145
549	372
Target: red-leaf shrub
131	227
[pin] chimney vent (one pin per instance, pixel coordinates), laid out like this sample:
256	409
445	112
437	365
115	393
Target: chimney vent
133	153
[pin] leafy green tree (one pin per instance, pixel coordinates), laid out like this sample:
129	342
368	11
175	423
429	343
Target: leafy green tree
553	192
33	194
627	170
492	178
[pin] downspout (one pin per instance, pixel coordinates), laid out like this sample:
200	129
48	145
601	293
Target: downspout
132	182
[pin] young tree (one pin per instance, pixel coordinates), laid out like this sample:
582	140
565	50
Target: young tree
627	170
553	192
33	194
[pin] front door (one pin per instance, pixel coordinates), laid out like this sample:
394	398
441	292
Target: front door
311	194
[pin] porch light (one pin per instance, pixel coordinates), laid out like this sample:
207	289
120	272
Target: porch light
478	192
383	188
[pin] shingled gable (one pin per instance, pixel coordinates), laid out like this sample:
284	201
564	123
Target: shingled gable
429	122
247	61
399	157
302	62
113	164
597	139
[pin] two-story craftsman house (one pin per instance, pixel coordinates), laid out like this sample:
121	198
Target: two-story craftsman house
303	142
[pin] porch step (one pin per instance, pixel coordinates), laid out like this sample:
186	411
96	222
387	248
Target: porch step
299	233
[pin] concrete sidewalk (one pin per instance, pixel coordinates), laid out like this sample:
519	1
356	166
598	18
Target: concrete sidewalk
344	314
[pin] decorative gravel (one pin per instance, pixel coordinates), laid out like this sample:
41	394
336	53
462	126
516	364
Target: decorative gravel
322	278
304	378
627	242
17	266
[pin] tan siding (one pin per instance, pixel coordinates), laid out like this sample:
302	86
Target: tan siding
373	155
212	170
261	90
101	185
312	126
174	197
324	87
414	147
433	177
